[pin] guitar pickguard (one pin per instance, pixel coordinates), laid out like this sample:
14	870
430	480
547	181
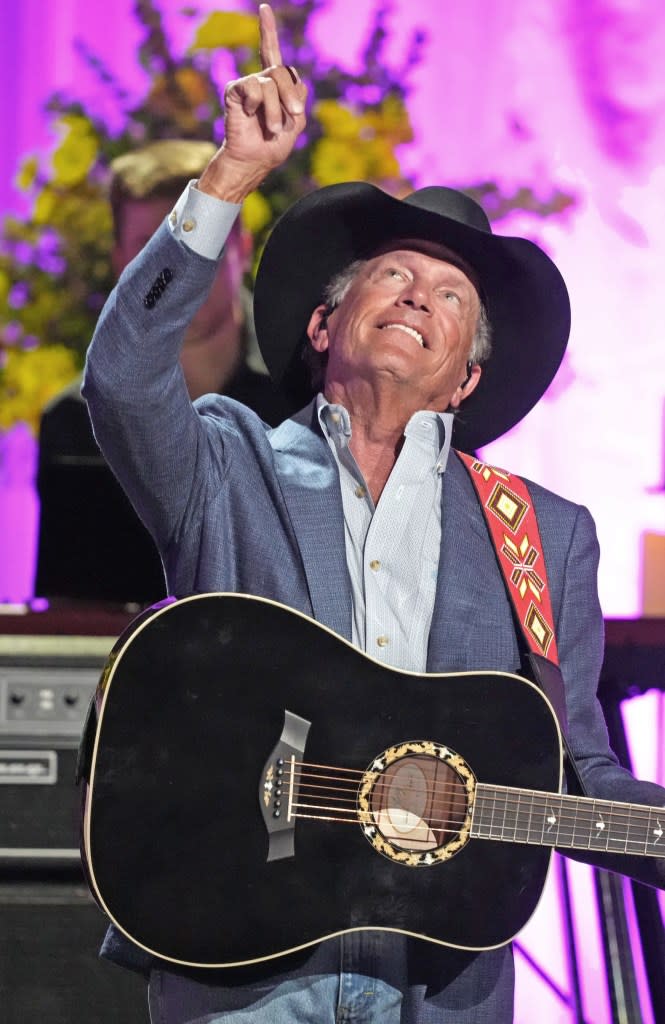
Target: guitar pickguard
415	803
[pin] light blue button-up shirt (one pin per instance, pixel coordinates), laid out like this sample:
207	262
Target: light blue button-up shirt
392	549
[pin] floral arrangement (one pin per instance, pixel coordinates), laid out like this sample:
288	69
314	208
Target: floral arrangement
55	268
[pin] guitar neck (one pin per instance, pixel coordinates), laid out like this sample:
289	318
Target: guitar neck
570	822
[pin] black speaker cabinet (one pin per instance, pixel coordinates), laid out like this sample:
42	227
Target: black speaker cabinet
45	687
50	971
50	928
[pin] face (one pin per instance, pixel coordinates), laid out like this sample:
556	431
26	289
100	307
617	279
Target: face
408	319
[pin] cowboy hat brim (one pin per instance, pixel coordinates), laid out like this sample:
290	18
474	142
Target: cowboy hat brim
525	296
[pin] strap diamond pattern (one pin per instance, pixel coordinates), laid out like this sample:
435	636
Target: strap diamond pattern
513	527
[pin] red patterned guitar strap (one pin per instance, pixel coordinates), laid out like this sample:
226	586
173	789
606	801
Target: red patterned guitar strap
513	527
511	521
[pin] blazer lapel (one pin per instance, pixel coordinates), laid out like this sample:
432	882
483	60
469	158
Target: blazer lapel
309	482
472	625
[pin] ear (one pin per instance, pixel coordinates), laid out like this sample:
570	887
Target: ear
317	329
464	390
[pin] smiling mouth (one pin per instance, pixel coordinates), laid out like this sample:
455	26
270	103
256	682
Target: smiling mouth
407	330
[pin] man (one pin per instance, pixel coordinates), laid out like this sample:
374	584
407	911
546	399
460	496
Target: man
92	546
355	510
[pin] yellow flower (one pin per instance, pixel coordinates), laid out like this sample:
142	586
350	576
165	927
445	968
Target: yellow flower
391	120
181	107
45	204
43	310
5	285
227	29
30	379
381	159
337	120
27	173
76	153
256	212
249	66
334	161
76	124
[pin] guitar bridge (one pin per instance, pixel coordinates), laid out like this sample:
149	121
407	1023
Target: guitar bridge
278	789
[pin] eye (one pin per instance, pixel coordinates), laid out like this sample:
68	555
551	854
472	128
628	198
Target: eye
451	296
394	273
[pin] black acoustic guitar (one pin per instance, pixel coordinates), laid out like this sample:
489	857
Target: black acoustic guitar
256	784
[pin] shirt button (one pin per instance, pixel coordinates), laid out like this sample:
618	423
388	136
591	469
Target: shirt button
360	491
174	218
383	641
336	417
375	565
188	225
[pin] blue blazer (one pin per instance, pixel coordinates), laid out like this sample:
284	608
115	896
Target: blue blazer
236	506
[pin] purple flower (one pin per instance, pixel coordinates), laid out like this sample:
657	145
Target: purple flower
19	294
51	263
12	332
23	252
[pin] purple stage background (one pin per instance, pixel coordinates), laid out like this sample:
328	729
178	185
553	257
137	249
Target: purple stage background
556	94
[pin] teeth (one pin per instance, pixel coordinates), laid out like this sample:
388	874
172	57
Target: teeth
410	330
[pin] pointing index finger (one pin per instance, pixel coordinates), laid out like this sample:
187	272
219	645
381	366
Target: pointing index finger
269	40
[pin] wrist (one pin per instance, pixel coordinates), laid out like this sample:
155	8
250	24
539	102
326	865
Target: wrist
230	179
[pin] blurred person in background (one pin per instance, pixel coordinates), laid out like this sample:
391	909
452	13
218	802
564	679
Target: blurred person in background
92	545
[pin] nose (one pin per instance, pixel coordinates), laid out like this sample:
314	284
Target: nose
415	297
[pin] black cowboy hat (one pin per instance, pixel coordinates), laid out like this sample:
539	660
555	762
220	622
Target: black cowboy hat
524	294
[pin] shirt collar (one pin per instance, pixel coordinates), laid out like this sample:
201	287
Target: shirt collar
430	431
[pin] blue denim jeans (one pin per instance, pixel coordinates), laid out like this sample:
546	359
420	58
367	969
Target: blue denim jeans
354	979
324	999
358	978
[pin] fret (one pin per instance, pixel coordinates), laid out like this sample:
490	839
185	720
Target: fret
490	834
479	826
597	818
655	837
553	806
568	823
511	802
523	817
536	821
515	814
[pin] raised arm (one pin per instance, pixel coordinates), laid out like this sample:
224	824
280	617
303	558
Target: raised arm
143	420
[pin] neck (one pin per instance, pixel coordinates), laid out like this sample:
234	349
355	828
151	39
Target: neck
378	421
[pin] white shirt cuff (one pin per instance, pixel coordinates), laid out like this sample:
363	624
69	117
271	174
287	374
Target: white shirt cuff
202	222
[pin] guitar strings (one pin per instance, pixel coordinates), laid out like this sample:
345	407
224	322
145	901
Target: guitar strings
521	803
588	805
534	833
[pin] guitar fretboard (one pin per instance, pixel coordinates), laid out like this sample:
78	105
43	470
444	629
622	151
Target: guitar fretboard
579	823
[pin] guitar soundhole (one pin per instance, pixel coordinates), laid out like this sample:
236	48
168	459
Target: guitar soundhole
415	803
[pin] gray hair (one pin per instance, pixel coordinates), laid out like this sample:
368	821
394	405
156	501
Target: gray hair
338	286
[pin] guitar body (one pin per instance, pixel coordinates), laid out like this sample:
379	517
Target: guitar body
190	707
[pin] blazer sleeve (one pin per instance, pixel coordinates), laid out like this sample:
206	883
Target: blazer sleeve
580	637
139	406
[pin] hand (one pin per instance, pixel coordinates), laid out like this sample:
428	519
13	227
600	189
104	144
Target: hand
264	115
